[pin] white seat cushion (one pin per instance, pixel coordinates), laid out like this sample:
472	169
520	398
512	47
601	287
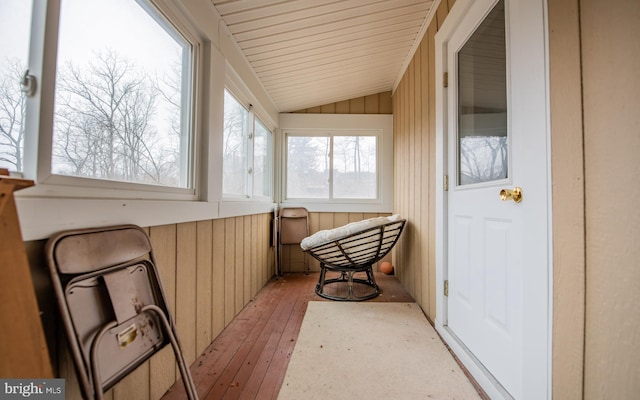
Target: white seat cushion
326	236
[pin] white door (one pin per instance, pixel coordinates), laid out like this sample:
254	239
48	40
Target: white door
497	142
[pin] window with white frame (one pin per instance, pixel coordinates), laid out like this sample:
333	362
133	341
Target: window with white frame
123	98
332	166
262	161
14	49
122	95
247	150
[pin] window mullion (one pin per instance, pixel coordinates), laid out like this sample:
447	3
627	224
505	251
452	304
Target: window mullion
39	108
331	170
249	136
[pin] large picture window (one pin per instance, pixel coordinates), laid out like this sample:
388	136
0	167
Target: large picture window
340	165
122	95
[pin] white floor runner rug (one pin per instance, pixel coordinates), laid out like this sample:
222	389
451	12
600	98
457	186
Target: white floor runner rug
371	351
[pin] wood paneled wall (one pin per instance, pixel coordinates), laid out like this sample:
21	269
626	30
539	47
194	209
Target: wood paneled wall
379	103
414	158
209	270
594	145
610	54
293	259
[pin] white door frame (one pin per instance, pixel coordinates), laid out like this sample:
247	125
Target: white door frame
477	370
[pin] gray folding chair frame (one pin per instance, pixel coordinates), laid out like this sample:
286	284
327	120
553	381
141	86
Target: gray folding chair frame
293	226
112	304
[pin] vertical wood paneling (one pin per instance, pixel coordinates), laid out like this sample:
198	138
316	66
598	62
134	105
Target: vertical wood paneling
204	271
133	386
406	183
239	265
186	289
379	103
328	109
610	55
414	138
431	228
411	275
371	104
162	366
340	219
441	13
268	253
356	105
229	270
425	175
248	243
218	283
67	371
417	164
314	110
256	247
384	103
568	199
342	107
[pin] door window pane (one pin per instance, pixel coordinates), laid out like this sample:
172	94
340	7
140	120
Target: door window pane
482	103
122	95
14	50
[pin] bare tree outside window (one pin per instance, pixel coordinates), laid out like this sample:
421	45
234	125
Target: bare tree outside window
12	110
483	159
106	125
335	166
236	118
308	166
354	167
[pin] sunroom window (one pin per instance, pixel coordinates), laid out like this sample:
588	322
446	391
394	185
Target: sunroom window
122	95
14	49
333	166
247	152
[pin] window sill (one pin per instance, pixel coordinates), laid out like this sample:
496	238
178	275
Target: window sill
41	217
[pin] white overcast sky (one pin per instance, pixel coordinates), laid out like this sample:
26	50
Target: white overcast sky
91	25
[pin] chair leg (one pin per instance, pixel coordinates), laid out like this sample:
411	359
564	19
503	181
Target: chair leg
372	279
320	284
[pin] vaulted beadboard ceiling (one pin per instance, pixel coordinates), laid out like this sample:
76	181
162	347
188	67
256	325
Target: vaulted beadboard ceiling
314	52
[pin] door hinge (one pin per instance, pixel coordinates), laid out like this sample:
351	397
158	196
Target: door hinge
445	79
446	287
445	183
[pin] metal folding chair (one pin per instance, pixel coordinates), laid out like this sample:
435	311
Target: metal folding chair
112	304
293	226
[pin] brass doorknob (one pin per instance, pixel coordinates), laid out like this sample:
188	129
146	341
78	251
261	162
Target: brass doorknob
508	194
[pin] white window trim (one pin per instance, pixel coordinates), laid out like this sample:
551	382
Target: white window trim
59	202
310	123
238	204
40	119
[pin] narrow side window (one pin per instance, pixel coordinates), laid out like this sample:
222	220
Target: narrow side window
14	50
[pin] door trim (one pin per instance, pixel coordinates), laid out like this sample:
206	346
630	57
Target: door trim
492	387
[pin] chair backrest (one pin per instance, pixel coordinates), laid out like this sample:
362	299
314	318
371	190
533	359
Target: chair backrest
294	225
103	279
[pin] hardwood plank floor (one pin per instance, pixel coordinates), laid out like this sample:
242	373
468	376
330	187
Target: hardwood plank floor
249	359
